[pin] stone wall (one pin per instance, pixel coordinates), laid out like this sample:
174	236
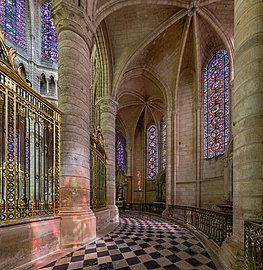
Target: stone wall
21	243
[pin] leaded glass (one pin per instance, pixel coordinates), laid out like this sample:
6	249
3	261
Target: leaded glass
49	44
216	105
163	144
12	20
120	155
152	152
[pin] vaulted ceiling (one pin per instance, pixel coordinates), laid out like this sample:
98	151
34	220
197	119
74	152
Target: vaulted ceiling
152	42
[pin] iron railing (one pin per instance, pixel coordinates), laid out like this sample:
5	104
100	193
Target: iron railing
29	145
149	207
97	175
253	245
215	225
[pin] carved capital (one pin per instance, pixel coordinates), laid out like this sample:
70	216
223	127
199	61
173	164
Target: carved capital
107	104
67	16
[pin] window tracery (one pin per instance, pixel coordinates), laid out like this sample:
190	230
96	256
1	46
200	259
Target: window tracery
49	45
216	104
163	125
152	152
13	21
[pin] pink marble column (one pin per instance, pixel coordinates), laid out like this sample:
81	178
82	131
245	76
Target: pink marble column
78	224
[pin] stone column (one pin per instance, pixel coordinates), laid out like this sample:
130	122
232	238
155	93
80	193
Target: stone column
247	127
48	83
248	115
129	175
78	224
129	158
168	173
108	110
56	88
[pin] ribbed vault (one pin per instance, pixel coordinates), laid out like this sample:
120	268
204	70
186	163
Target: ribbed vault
165	38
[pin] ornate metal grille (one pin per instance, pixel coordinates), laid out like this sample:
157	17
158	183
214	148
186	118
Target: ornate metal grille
253	245
97	175
29	139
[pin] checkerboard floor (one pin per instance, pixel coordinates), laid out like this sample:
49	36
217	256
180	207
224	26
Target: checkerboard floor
141	241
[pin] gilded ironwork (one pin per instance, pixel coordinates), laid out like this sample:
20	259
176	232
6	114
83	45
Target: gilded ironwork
29	138
253	245
97	175
97	136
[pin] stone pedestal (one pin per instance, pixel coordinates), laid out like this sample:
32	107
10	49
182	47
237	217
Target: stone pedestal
230	254
77	228
78	223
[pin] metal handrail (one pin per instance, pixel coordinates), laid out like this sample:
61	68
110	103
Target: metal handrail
215	225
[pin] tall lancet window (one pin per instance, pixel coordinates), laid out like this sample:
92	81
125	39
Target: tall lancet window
120	154
152	152
49	45
216	104
12	20
163	126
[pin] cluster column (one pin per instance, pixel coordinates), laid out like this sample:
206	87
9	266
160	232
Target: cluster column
248	115
78	224
108	111
169	176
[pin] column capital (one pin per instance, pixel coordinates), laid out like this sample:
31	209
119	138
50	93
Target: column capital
107	104
68	16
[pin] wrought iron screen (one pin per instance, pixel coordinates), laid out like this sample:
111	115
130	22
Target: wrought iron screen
29	140
97	175
253	245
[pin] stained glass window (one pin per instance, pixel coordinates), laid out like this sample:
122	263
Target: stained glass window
49	46
12	20
120	155
152	152
163	144
216	104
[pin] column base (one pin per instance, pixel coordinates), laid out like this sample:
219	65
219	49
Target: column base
114	213
231	254
77	228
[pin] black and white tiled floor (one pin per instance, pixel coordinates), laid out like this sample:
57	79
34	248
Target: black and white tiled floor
140	242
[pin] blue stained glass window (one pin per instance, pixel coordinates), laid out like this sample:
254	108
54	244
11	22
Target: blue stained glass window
120	155
163	144
152	152
12	20
216	104
49	46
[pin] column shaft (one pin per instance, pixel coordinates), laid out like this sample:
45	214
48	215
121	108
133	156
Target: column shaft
108	109
248	115
78	224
